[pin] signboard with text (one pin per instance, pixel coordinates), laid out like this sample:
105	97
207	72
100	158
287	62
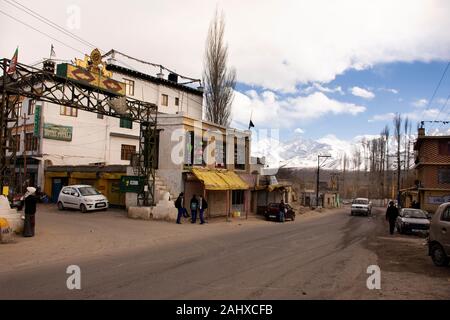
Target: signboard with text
37	120
57	132
133	184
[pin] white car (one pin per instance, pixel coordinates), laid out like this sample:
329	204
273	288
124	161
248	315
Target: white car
361	206
82	197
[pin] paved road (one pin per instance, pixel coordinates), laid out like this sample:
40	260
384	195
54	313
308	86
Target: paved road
323	258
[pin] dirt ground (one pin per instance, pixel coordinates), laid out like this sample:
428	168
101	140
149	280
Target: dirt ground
405	257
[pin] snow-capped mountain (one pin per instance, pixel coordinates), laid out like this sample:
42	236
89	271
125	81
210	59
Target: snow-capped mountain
301	152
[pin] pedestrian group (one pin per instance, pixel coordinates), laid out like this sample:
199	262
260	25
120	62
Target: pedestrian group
197	205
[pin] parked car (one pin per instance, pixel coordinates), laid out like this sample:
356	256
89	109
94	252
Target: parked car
361	206
439	238
412	220
82	197
273	212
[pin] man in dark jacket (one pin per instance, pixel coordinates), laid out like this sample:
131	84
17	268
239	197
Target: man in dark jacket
30	200
194	207
282	209
391	216
179	204
202	206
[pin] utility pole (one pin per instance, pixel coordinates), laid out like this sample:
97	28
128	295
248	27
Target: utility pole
318	177
25	118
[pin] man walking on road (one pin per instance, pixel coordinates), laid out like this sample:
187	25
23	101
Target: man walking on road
391	216
179	204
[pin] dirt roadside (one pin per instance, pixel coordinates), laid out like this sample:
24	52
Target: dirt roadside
405	257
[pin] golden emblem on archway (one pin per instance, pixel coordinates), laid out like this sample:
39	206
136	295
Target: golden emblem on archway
94	63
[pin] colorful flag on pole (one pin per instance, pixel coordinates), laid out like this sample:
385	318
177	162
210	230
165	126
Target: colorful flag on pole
13	64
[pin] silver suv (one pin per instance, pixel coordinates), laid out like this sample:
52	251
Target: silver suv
361	206
439	239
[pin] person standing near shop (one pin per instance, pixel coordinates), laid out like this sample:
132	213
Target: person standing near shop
202	206
30	200
194	207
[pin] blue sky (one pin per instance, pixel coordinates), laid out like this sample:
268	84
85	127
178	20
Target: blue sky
403	87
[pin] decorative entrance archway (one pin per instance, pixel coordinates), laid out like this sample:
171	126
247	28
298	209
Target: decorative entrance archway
101	98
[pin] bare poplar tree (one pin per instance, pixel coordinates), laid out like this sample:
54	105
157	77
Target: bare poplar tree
386	134
219	81
398	139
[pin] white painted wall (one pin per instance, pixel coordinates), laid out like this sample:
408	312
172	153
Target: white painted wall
189	103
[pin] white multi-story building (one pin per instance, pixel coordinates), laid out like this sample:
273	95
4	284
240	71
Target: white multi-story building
75	146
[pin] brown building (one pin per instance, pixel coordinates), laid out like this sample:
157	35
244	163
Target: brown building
432	171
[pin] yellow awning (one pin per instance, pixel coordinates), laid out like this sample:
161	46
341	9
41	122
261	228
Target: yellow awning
220	179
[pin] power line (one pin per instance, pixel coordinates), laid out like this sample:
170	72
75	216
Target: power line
50	23
440	111
41	32
436	88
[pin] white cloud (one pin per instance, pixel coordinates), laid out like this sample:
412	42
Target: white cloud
394	91
420	103
426	114
285	43
383	117
271	111
363	93
319	87
299	131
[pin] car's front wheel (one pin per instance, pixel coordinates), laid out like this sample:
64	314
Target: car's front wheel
83	208
438	256
60	206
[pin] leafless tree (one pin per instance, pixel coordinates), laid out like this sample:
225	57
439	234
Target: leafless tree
398	139
385	133
218	79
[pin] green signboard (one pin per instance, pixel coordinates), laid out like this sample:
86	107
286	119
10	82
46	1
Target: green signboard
37	120
57	132
133	184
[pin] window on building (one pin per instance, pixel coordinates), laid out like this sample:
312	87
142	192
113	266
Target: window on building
444	176
444	148
68	111
177	102
164	100
14	139
129	87
189	148
127	151
239	154
18	109
30	142
237	197
31	106
126	123
220	152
